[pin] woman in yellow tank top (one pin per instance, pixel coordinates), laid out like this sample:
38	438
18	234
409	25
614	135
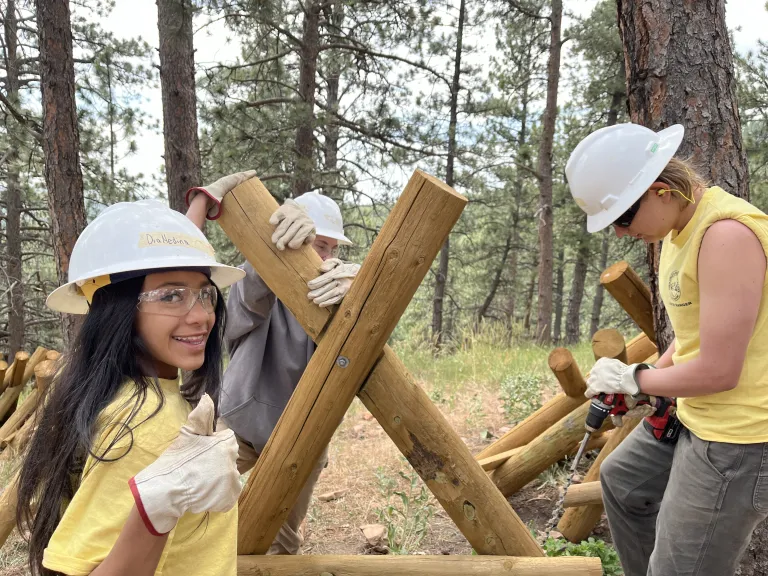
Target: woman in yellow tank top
122	475
687	507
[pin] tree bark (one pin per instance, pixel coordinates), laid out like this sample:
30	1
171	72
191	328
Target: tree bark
334	19
61	139
679	67
310	46
483	310
597	303
177	83
529	301
442	271
544	325
13	189
558	295
573	321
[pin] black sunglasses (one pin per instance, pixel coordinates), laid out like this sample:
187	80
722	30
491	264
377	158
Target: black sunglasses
626	219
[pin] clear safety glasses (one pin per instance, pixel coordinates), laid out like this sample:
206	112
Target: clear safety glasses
177	300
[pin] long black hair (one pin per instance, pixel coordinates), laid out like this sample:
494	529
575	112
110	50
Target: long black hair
105	354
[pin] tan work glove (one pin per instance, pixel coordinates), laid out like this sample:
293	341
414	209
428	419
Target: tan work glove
331	287
218	190
612	376
196	473
294	226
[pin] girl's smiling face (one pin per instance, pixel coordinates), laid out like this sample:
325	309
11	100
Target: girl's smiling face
176	335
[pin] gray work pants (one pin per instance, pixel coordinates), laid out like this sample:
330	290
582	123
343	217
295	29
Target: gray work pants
683	510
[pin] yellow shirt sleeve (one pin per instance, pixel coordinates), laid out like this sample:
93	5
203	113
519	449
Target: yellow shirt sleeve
96	515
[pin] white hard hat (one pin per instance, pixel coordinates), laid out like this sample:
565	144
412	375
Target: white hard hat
613	167
326	215
135	236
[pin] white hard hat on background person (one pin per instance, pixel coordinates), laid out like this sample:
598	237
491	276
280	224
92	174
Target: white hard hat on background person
326	215
130	237
613	167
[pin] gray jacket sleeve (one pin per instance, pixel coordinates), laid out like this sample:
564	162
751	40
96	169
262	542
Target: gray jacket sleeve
248	306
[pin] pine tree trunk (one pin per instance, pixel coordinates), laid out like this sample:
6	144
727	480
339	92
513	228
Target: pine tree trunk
177	83
61	139
442	271
529	302
544	324
597	303
14	270
310	46
335	17
679	67
483	310
573	321
558	295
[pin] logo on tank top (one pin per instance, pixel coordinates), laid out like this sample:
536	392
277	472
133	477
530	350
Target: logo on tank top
674	290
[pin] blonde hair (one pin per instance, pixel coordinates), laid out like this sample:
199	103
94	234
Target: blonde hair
682	177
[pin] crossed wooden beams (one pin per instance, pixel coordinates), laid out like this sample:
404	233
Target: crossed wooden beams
352	358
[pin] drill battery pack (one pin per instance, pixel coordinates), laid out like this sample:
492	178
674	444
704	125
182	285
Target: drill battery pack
665	428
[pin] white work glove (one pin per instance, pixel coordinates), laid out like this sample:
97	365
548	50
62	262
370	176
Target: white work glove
196	473
218	190
294	226
610	376
336	280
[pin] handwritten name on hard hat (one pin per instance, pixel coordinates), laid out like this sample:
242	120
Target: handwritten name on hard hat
147	239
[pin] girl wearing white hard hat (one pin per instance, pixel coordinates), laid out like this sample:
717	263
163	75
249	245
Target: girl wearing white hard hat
269	349
686	504
122	475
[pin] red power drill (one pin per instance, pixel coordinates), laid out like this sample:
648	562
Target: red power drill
662	423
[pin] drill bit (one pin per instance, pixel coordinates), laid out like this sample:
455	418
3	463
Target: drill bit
580	452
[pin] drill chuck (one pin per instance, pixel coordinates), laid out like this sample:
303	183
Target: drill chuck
598	412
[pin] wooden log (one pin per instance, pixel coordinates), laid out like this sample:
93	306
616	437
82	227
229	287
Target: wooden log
596	442
3	370
541	452
632	294
370	565
8	509
609	343
17	441
247	224
17	369
11	394
492	462
567	372
583	494
441	458
400	257
638	350
53	355
44	372
577	523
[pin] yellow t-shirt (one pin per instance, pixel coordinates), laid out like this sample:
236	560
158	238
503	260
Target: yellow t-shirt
93	520
738	416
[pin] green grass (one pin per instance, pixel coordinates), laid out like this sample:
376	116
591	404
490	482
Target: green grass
486	359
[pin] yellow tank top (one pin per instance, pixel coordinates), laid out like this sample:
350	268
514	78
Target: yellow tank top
738	416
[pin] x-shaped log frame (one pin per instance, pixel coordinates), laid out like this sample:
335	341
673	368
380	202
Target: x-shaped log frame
352	358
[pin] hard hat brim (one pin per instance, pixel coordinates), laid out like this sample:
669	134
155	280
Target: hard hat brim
669	142
328	233
69	300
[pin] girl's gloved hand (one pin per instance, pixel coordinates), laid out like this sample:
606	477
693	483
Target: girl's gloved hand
196	473
336	280
218	190
294	226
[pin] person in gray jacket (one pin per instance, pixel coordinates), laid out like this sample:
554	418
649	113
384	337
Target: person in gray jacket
269	350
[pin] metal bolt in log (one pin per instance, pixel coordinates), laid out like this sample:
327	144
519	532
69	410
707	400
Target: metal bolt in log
583	494
314	565
632	294
415	229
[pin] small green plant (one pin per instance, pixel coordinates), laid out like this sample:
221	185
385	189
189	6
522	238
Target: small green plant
521	395
406	513
590	547
556	475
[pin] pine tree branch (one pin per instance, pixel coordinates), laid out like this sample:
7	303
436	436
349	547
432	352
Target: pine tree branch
21	119
525	11
268	101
